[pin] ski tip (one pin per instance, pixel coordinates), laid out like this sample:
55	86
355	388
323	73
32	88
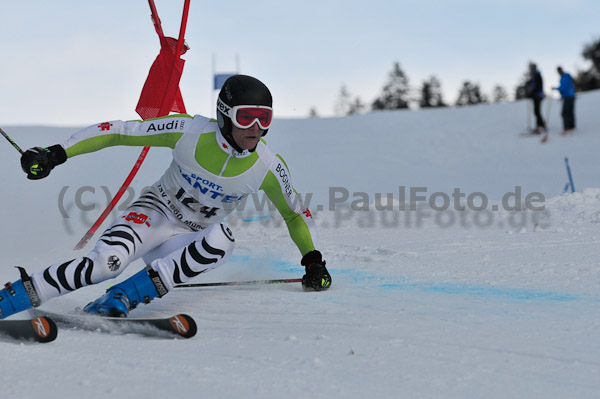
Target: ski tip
183	325
45	329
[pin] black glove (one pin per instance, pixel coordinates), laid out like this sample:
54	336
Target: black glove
317	277
37	162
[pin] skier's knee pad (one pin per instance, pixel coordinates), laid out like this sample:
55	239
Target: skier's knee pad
211	250
220	240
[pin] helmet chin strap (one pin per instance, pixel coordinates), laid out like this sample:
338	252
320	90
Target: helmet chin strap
229	137
225	126
232	142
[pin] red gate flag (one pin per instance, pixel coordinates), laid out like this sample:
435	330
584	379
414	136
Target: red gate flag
161	90
161	93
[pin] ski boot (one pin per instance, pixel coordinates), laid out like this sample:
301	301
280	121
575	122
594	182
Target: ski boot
18	296
119	299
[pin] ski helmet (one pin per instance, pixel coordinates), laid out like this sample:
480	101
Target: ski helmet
240	90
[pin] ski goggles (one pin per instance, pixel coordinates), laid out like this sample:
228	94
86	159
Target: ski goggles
244	116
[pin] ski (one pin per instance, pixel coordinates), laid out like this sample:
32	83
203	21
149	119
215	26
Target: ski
531	133
39	329
180	325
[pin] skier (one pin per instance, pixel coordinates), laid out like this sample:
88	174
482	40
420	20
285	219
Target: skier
567	92
536	92
176	225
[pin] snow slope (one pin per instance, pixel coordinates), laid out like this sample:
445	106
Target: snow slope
424	303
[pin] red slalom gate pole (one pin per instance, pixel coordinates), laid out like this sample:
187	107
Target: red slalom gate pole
84	240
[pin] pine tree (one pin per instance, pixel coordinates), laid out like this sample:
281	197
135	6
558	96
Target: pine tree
590	79
345	105
591	52
470	94
396	92
522	89
342	104
431	94
356	107
499	94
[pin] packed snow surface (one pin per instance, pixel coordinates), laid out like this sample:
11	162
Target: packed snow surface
462	295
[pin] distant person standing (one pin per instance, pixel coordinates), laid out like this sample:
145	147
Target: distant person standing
567	92
536	93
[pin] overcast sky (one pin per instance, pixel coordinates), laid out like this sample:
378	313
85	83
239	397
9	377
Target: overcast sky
78	62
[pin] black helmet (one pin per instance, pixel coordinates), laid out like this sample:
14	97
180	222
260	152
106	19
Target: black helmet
240	90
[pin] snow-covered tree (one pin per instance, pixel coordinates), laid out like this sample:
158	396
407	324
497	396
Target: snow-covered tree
470	94
431	94
499	94
396	91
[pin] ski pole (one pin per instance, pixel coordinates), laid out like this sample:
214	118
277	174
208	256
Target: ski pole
7	137
253	282
529	111
548	109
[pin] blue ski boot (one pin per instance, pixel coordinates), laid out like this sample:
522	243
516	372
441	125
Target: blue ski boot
18	296
119	299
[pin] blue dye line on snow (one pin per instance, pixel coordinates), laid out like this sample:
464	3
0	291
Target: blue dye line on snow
257	218
251	219
402	283
484	291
